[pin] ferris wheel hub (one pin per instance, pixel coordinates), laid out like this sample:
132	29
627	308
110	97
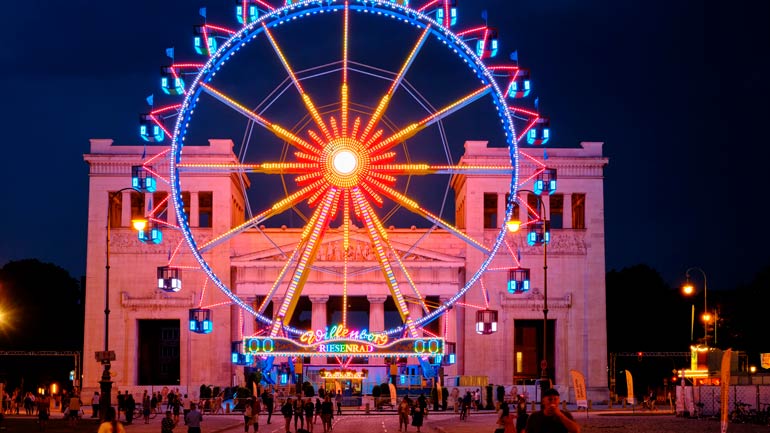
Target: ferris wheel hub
344	161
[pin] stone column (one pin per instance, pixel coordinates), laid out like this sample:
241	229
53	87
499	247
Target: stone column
376	320
318	320
194	210
125	209
567	211
501	210
415	312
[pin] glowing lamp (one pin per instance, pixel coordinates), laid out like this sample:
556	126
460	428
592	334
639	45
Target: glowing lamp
545	182
200	321
168	279
344	162
513	225
518	280
539	233
486	322
688	289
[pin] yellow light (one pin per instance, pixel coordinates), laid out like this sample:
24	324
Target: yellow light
513	225
707	317
753	369
139	224
688	289
344	161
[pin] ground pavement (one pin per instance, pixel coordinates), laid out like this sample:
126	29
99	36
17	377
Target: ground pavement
595	421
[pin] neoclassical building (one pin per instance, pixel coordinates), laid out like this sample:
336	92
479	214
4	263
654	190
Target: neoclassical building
148	327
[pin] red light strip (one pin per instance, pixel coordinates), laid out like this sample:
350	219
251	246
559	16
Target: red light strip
165	223
203	292
473	30
156	174
513	254
464	304
538	171
160	124
221	29
187	65
532	158
485	293
427	5
176	250
529	126
164	109
153	158
521	110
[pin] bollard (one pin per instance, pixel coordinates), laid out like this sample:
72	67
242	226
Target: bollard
590	404
367	408
624	403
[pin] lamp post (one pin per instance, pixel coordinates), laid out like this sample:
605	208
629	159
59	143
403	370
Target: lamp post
513	226
105	357
689	289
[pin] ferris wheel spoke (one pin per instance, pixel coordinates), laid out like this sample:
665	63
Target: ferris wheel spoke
305	97
275	128
427	169
383	105
414	128
375	231
275	209
314	233
414	207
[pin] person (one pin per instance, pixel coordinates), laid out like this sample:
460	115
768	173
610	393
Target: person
95	405
327	413
551	419
248	414
287	410
403	413
317	410
74	409
193	419
43	407
417	415
146	407
130	407
267	399
338	399
185	406
111	423
465	404
121	403
423	403
521	415
309	408
454	397
167	424
502	418
299	413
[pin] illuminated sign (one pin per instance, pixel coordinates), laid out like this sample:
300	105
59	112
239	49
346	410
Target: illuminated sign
405	347
337	332
342	374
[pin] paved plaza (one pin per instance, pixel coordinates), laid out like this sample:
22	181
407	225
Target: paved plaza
597	421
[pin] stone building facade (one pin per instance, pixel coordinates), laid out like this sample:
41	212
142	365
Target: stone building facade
147	327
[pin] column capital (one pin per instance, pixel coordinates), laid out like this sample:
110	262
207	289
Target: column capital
376	299
319	299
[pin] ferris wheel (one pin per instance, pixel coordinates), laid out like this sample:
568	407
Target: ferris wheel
353	115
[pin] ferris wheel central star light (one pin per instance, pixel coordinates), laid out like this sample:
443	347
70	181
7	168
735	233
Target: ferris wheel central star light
345	162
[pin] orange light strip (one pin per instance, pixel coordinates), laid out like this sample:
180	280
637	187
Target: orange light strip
412	129
203	292
281	275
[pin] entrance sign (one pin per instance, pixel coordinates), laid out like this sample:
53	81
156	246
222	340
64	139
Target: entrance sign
404	347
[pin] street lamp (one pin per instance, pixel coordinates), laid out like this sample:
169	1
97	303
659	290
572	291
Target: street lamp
689	289
106	356
539	235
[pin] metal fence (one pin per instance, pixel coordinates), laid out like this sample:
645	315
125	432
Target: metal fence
705	400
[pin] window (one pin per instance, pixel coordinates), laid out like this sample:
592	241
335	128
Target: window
157	199
186	201
490	210
137	205
557	211
534	207
116	208
578	211
205	208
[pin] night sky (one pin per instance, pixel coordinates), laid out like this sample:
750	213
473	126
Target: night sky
677	90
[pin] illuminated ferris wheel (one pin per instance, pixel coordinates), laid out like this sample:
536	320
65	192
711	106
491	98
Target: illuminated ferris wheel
355	114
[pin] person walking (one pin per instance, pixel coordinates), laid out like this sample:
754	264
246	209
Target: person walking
403	413
248	415
309	408
111	423
167	424
417	415
193	419
504	422
267	399
146	407
551	419
43	411
74	406
338	400
317	410
327	413
287	410
521	415
299	412
130	407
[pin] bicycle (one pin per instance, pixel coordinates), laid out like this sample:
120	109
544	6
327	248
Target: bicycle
743	414
139	412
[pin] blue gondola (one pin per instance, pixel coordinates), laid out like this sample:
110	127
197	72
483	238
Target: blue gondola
203	43
170	83
151	234
540	132
520	84
441	10
545	182
149	130
142	180
518	281
237	355
539	233
246	11
487	47
200	321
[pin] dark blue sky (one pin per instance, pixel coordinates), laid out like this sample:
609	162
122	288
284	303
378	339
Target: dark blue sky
677	91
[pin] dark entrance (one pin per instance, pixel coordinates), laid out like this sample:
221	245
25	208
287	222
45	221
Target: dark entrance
158	352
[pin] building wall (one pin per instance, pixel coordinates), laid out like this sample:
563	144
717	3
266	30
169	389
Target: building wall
440	266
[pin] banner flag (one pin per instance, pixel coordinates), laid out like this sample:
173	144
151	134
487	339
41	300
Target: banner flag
725	388
170	53
579	383
764	360
630	386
